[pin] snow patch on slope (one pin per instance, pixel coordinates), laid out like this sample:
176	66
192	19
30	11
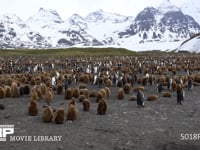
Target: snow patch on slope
192	45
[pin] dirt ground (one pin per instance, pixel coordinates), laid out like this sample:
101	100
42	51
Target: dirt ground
157	126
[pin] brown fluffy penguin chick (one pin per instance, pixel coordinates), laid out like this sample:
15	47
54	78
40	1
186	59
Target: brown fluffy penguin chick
34	95
33	108
76	92
102	107
47	114
86	105
59	88
127	88
152	98
59	116
71	112
82	97
15	90
8	91
108	92
73	102
2	92
49	96
99	96
120	94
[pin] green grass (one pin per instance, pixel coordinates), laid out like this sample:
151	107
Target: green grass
73	52
70	52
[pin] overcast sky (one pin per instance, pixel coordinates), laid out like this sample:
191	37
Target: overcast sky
65	8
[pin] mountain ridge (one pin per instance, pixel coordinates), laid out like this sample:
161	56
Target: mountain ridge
45	29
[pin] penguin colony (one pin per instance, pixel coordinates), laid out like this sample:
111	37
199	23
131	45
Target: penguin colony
127	75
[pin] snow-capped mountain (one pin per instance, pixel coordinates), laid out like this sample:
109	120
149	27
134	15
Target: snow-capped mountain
15	32
105	26
47	29
167	23
101	17
77	20
46	16
164	27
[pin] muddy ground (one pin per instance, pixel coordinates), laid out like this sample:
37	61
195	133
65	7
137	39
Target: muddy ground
157	126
